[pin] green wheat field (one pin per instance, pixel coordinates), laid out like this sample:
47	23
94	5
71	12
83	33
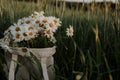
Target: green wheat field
92	53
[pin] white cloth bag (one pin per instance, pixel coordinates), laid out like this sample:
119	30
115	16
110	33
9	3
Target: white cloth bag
44	55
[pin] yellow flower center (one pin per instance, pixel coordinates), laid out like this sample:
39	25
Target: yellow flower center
24	34
51	25
37	21
27	21
70	30
44	20
24	50
41	25
30	33
17	36
56	21
17	29
33	16
48	32
30	28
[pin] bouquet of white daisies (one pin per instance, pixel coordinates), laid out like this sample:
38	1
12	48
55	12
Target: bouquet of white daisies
36	30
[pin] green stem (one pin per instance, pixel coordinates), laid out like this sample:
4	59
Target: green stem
107	65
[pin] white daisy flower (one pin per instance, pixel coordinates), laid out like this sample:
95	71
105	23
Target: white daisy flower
51	24
69	31
27	20
6	39
78	77
15	28
32	33
6	32
32	16
41	13
44	20
36	22
30	27
4	45
17	37
41	27
48	33
40	23
25	36
57	21
52	39
20	22
26	27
